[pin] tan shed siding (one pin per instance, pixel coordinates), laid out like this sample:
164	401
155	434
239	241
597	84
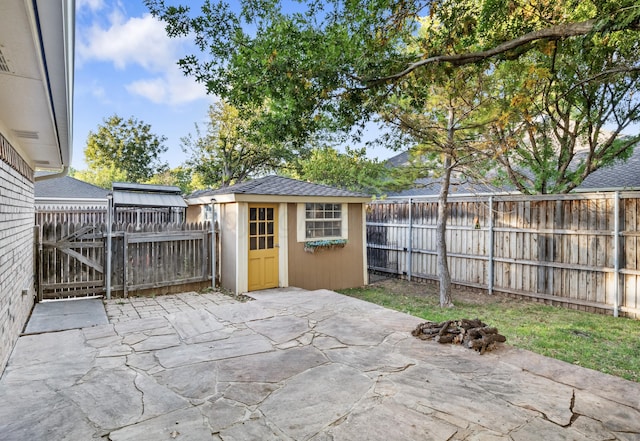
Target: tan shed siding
16	245
228	215
194	213
329	269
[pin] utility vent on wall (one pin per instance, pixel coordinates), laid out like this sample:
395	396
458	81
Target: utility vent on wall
28	134
41	163
4	64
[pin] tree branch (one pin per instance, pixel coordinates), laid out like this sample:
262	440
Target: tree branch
552	33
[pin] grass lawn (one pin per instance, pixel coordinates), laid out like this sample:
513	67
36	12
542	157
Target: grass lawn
603	343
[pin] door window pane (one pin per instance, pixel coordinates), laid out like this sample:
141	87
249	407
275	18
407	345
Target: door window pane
262	228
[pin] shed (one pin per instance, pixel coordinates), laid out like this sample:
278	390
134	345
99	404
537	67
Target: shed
278	232
145	203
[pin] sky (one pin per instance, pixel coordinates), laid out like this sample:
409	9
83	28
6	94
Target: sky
126	65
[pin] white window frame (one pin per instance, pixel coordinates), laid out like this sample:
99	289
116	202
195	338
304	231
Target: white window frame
207	212
302	223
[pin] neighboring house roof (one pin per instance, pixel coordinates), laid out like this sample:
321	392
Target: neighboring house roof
398	160
427	187
143	195
36	79
276	187
67	188
621	175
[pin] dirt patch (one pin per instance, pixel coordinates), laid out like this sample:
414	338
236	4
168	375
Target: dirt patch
462	294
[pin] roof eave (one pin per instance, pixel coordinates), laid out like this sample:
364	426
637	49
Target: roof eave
262	198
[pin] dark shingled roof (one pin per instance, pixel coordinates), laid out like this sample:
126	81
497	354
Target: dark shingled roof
431	187
68	188
398	160
280	186
621	175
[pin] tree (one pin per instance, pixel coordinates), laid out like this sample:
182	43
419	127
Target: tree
332	65
351	170
329	63
565	117
123	150
102	177
229	150
180	177
445	116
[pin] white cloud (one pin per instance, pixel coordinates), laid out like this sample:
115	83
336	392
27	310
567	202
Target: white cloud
98	92
134	41
130	43
154	89
93	5
172	88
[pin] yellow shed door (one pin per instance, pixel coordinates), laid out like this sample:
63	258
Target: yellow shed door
263	246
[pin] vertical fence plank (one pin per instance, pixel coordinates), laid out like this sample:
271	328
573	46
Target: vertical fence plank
555	248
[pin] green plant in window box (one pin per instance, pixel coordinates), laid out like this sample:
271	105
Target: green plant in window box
312	246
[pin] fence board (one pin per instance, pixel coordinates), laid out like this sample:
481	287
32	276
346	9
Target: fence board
557	248
72	257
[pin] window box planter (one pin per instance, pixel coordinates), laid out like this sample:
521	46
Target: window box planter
314	245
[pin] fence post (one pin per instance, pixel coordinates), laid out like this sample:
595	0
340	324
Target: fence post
125	261
616	254
213	244
107	263
410	241
490	269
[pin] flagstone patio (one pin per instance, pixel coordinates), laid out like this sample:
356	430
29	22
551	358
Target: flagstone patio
293	365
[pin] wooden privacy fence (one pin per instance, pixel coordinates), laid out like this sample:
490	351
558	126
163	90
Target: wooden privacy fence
578	250
72	257
98	214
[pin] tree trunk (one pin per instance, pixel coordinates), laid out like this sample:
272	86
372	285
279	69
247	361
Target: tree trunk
441	239
443	215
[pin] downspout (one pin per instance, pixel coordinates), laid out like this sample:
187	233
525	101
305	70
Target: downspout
213	244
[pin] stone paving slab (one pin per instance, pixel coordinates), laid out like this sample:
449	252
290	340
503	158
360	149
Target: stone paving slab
62	315
294	365
131	308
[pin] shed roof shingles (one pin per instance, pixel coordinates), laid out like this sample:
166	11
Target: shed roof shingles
281	186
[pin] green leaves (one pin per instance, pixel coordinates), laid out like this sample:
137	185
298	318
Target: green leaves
306	63
351	170
124	149
531	79
231	149
569	102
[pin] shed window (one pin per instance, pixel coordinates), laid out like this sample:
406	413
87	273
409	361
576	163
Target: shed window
322	221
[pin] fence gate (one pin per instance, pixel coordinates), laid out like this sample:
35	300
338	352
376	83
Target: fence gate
71	257
70	260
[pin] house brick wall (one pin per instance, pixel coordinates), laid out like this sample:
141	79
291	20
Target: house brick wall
16	253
